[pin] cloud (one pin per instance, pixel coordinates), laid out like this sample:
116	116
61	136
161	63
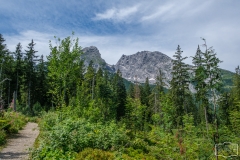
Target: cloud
161	11
25	37
173	10
116	14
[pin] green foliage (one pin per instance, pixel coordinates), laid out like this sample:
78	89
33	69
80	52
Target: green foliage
74	134
17	121
64	68
2	137
120	95
135	117
10	122
95	154
235	121
179	85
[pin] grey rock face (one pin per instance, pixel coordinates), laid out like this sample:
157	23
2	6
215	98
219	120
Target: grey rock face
144	64
92	54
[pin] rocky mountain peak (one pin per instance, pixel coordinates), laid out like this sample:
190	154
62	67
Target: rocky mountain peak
144	64
92	50
92	54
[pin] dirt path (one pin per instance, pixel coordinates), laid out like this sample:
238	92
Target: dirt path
18	145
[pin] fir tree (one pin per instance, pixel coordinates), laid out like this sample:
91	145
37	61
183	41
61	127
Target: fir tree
199	80
30	61
157	98
5	72
18	55
120	94
41	84
179	85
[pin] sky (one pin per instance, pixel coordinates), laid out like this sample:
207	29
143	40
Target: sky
118	27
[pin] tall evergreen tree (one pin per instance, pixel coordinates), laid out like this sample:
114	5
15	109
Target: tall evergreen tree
179	85
214	81
131	90
88	85
235	93
104	96
145	93
120	94
199	80
41	84
18	55
30	61
157	98
209	83
5	70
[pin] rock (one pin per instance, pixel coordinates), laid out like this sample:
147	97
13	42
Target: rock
92	54
144	64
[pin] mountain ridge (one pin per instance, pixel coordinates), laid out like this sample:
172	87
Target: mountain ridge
139	66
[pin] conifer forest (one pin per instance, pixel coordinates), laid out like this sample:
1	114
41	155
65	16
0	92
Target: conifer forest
84	113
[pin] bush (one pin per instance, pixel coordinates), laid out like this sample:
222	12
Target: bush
94	154
37	109
11	122
74	135
17	121
2	137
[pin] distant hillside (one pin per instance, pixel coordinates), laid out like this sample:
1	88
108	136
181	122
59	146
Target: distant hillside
227	79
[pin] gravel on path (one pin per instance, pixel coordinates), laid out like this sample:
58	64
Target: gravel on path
18	145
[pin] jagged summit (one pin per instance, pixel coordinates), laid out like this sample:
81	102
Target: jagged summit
92	54
91	50
138	66
144	64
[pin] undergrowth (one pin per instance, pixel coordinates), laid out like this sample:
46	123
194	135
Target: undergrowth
10	122
65	135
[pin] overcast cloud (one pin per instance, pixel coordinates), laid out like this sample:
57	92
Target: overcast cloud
127	26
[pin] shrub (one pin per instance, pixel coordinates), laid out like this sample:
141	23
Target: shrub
2	137
95	154
11	122
17	121
73	135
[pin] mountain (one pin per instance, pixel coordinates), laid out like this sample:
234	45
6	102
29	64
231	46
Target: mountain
144	64
139	66
92	54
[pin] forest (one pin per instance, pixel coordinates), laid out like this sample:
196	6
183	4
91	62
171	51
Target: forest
90	114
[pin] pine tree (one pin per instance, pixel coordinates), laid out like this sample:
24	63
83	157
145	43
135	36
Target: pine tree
131	90
179	85
234	106
89	83
145	93
18	55
209	83
235	93
225	103
41	84
199	80
104	96
214	78
120	95
5	72
157	98
30	61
